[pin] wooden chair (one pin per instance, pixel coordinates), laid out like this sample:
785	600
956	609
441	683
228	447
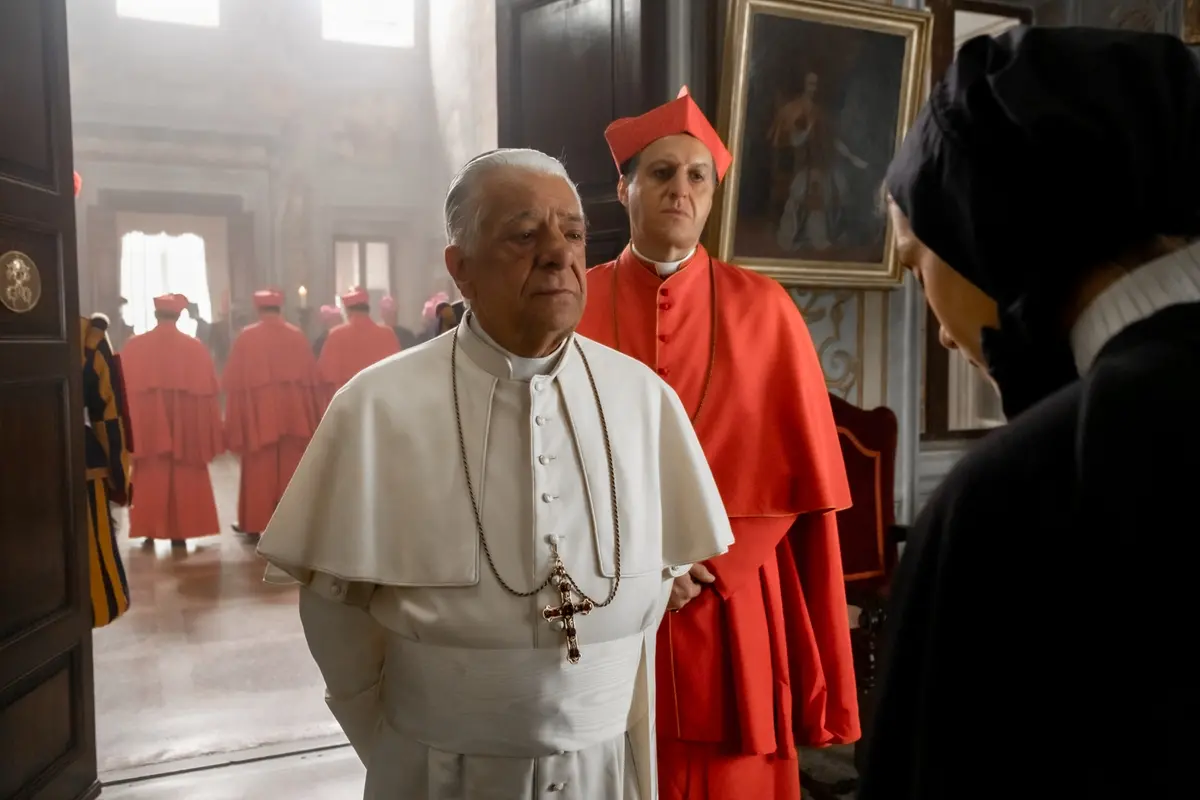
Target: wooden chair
869	543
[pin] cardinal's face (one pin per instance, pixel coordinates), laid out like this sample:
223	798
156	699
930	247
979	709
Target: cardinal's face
670	195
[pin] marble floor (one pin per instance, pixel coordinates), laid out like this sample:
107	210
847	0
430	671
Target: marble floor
208	660
328	775
205	689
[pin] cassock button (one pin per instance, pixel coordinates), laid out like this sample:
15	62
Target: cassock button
539	420
336	589
663	291
664	338
665	306
549	498
663	372
556	787
544	460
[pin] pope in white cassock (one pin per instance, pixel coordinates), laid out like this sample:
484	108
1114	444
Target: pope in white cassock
486	527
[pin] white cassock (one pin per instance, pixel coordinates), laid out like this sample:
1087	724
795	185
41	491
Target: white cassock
448	686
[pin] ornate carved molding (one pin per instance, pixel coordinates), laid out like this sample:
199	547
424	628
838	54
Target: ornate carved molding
834	320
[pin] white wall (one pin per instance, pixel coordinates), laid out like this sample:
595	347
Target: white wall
315	138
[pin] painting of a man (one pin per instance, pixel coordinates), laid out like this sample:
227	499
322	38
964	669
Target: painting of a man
819	189
821	115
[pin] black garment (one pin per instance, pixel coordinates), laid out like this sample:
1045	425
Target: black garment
1042	154
319	342
435	328
406	337
1040	634
204	331
1045	151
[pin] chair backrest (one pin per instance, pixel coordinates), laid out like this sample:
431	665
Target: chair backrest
868	440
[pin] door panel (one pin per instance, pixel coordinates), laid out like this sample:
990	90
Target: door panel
47	738
34	581
566	69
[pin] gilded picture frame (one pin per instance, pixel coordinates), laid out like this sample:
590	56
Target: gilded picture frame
799	203
1191	22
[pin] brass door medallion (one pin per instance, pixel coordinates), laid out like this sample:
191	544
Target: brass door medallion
20	282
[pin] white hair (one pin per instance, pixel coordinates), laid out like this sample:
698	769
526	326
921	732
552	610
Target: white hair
463	212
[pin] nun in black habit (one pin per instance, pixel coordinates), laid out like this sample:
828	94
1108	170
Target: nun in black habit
1042	627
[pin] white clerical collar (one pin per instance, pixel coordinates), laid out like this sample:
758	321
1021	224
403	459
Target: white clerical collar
519	367
1167	281
663	268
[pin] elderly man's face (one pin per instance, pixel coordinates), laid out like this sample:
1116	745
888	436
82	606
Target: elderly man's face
524	276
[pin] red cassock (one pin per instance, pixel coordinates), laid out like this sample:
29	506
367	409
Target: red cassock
176	414
272	407
761	662
350	348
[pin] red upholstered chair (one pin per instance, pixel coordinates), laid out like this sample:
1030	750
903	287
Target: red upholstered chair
869	542
868	440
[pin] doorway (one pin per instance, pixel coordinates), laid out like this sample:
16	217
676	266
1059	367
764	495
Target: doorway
168	253
209	666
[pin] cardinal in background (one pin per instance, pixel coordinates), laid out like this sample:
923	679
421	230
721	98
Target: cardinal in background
272	407
354	345
176	415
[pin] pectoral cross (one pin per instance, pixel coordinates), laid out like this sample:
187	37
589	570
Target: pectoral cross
563	616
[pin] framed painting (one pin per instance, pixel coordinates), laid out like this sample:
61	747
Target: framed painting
816	96
1191	22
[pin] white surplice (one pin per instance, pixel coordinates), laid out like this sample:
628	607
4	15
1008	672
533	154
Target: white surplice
449	687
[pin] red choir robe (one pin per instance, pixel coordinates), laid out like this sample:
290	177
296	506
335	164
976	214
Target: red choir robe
760	662
176	415
272	407
353	346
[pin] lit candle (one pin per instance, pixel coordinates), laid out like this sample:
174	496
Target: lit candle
303	297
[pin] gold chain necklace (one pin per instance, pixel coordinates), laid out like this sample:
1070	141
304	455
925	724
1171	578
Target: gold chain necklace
562	615
712	336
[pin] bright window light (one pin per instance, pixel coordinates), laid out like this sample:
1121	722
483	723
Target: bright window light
204	13
382	23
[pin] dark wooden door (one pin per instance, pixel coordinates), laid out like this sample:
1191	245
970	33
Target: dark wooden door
566	69
47	726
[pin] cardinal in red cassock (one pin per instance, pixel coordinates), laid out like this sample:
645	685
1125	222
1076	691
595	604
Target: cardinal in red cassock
272	407
354	345
755	658
176	415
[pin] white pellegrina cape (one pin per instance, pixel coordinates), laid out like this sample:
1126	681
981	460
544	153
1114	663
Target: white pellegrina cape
449	687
